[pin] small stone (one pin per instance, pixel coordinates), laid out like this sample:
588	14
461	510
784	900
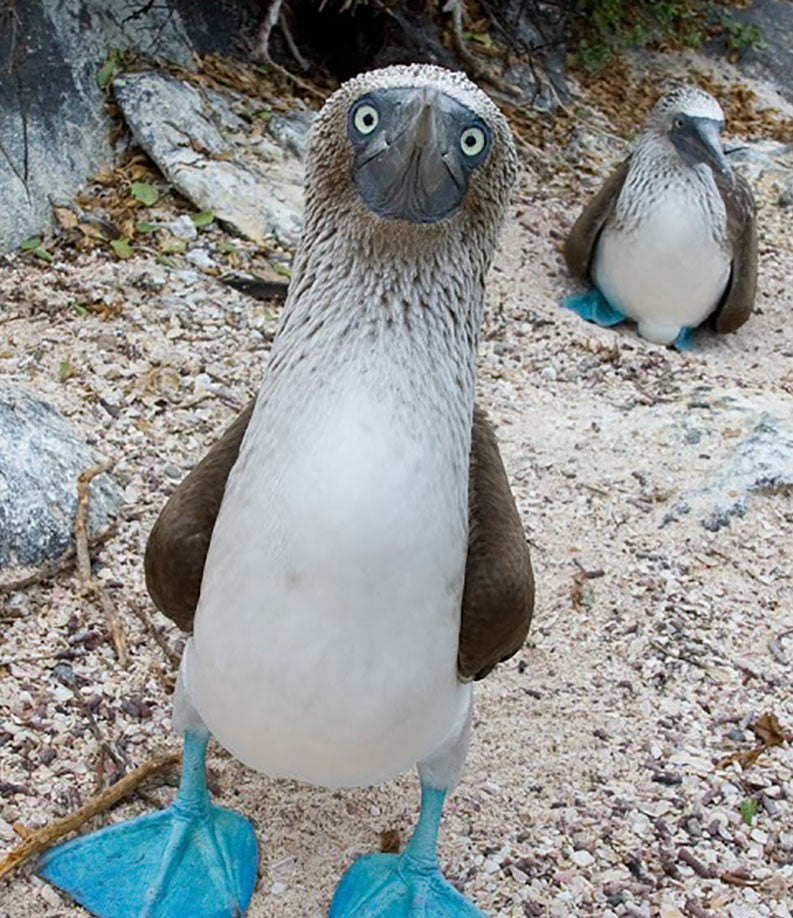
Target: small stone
278	888
549	373
51	897
182	227
582	858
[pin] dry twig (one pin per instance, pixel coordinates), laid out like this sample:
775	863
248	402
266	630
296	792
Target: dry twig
42	839
90	587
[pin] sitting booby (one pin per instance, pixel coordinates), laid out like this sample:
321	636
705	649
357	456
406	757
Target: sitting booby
670	240
360	556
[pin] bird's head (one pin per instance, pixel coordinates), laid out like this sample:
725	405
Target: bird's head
692	120
410	150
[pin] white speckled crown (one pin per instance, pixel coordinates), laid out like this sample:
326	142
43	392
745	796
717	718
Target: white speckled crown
684	100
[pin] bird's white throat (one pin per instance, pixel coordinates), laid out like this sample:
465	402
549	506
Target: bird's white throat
326	635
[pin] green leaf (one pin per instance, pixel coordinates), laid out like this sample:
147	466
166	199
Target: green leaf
203	219
145	193
174	245
748	809
227	248
166	262
77	308
283	271
482	38
64	370
264	114
143	227
109	69
122	248
35	246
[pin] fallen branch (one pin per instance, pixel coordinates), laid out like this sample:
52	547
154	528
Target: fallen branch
42	839
90	587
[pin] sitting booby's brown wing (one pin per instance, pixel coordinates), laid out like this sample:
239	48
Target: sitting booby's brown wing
580	244
738	302
498	599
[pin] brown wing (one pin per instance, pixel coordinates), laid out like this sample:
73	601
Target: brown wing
498	599
738	301
178	544
499	588
580	244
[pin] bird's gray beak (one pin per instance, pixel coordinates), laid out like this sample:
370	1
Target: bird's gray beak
408	172
708	134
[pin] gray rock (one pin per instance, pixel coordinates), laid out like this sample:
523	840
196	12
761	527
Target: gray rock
754	158
257	188
786	197
41	459
772	61
54	126
760	461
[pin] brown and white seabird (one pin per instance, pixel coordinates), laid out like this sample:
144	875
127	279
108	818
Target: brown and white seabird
670	240
360	556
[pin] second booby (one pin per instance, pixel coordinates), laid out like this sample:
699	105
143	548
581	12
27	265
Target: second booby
367	560
670	240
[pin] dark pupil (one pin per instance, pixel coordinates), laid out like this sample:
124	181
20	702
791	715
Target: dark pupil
470	141
368	119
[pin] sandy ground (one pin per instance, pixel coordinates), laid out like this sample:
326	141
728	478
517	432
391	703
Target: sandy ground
594	784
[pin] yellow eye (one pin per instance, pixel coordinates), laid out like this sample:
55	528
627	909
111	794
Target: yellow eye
365	119
472	141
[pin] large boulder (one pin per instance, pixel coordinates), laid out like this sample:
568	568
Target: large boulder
41	459
54	123
207	152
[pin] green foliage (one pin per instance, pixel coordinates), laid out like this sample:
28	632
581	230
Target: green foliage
204	218
35	245
603	29
748	810
145	193
740	35
109	69
122	248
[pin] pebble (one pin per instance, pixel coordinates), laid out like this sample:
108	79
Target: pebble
182	227
549	373
582	858
278	888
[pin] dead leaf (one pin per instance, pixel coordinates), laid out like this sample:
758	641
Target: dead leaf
67	219
769	731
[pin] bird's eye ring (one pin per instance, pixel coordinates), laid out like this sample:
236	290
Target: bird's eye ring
472	141
679	121
365	118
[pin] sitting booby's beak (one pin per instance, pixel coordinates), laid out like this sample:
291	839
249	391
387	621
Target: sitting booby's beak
414	150
698	140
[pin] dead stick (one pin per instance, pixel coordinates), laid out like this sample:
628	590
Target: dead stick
90	586
172	657
44	838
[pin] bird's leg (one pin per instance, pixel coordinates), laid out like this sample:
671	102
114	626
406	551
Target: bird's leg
192	858
410	883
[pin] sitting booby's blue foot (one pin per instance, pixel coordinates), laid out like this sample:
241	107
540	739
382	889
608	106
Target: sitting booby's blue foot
684	340
406	885
191	859
594	307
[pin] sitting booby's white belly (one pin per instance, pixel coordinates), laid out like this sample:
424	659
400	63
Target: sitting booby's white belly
666	270
326	635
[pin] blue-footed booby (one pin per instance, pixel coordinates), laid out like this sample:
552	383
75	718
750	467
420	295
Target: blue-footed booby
348	557
670	240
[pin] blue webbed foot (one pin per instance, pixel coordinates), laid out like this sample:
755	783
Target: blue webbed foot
406	885
684	340
594	307
191	859
390	886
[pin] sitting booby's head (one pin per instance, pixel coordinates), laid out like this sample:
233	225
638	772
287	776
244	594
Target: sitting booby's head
692	120
409	145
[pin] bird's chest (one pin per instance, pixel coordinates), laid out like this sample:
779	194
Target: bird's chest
668	261
327	631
